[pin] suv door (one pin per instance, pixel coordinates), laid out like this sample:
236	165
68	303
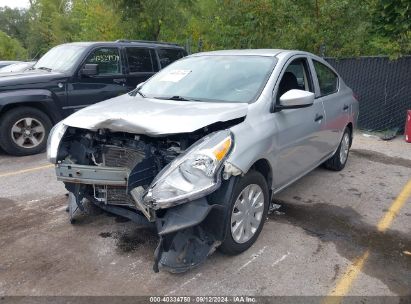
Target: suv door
169	55
109	82
335	106
298	136
141	63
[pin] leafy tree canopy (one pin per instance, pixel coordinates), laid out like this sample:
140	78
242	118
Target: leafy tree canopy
10	48
326	27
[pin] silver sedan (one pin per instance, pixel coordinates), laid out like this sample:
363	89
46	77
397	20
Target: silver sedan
200	149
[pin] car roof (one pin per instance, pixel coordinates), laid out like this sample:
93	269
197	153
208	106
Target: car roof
254	52
140	43
250	52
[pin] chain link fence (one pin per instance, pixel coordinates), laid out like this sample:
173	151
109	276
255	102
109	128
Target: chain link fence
383	88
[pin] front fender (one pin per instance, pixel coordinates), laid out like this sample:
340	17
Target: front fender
38	97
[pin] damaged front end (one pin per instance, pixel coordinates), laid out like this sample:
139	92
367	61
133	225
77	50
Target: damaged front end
173	182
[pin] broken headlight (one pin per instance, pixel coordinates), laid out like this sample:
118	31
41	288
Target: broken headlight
194	174
53	141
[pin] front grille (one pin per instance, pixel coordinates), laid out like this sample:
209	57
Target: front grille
114	156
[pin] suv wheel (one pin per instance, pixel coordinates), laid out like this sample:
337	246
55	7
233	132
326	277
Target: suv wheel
339	159
24	131
247	212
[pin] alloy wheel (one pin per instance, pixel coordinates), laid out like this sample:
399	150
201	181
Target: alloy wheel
28	132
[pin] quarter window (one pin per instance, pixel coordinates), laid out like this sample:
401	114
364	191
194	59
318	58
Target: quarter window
139	60
168	56
108	60
327	79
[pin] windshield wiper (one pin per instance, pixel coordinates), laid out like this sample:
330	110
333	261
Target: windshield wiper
175	97
141	94
137	91
44	68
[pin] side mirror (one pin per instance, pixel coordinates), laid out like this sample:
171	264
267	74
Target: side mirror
138	87
295	99
90	69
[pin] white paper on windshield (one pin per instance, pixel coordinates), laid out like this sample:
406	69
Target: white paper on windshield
175	75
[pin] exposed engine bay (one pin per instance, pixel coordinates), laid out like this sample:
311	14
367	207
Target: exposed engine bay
114	170
142	156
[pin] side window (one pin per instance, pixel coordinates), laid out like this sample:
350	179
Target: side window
327	79
108	60
168	56
296	76
139	60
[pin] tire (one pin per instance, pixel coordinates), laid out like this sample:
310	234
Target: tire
233	245
337	161
32	129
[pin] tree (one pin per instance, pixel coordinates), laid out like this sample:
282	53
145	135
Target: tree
95	20
15	23
51	25
11	49
392	26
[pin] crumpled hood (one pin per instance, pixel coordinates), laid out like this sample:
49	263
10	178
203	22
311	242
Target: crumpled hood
134	114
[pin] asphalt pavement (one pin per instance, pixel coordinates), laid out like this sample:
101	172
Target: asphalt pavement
336	233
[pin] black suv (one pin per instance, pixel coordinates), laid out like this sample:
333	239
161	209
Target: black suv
70	77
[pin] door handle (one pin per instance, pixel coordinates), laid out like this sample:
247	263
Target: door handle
318	117
119	80
345	108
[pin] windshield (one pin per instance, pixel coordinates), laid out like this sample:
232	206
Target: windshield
211	78
60	58
16	67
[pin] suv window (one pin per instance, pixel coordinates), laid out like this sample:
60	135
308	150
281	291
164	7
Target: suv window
327	79
168	56
296	76
139	60
108	60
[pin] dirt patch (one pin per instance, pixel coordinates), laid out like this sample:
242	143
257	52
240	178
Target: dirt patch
381	158
6	203
336	272
131	241
105	234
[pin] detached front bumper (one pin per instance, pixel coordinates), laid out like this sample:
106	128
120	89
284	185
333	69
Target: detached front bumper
188	232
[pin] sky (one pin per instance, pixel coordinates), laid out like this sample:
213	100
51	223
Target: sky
15	3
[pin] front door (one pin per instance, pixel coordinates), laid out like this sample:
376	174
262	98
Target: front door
298	139
109	82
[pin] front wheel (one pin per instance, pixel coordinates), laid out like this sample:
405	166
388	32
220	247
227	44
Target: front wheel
24	131
247	212
339	159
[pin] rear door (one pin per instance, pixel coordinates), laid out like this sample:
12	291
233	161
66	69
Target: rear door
336	106
169	55
109	82
298	140
141	65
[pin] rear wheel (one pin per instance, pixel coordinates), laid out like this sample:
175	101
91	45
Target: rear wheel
247	212
339	159
24	131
